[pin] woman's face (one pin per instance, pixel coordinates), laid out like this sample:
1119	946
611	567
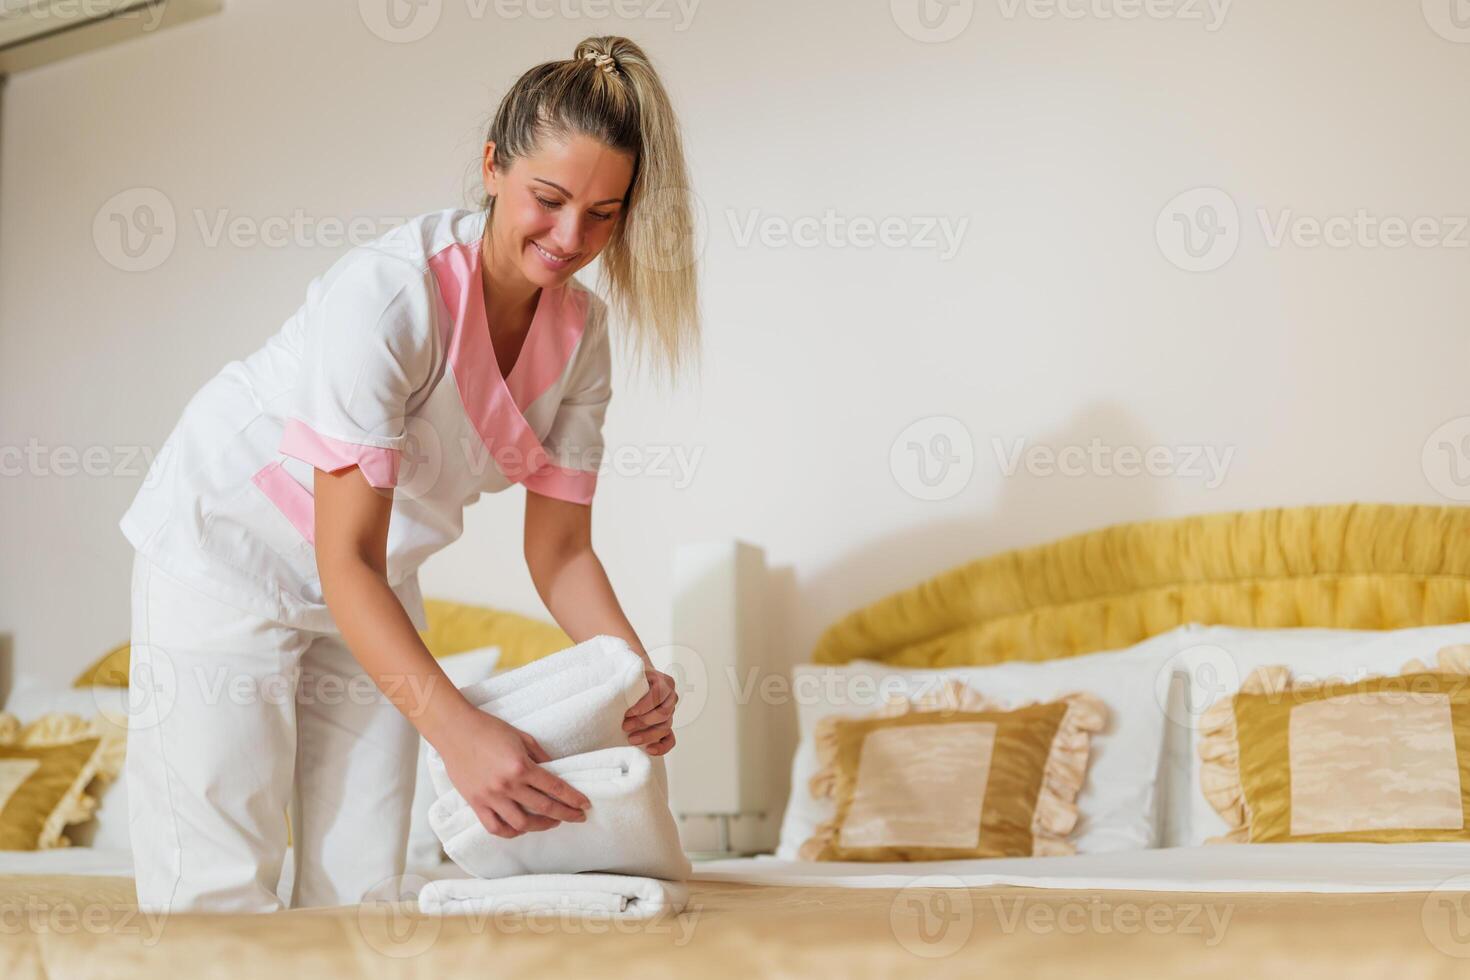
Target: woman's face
556	209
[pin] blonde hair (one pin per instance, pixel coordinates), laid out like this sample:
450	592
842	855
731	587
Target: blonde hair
609	91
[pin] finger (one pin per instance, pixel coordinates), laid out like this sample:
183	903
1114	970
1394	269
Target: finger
522	822
657	716
662	746
532	800
510	812
638	719
650	734
492	823
535	822
558	789
534	749
644	703
659	688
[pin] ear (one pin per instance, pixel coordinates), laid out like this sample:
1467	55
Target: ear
487	170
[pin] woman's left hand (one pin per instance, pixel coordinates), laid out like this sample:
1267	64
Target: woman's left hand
649	724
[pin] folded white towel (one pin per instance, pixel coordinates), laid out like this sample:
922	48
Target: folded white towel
628	830
618	896
573	703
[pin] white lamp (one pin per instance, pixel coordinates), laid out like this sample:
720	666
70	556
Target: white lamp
719	767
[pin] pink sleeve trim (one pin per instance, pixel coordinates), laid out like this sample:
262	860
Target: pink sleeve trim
551	480
379	465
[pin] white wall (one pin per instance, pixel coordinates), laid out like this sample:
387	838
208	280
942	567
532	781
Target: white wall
1059	319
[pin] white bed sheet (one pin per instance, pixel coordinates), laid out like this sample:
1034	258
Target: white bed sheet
1312	868
67	861
97	861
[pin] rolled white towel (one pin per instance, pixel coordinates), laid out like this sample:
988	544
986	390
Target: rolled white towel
617	896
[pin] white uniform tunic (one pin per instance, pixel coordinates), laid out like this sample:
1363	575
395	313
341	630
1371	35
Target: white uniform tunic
389	366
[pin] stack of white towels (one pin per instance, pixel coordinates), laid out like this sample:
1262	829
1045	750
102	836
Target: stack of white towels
625	859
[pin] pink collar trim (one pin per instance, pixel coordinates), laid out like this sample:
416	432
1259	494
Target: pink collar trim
495	405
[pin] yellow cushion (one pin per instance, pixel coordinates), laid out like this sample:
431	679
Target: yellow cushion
45	769
454	627
1384	759
951	777
1349	566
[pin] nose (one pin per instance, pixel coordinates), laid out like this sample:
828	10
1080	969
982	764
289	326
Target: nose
568	233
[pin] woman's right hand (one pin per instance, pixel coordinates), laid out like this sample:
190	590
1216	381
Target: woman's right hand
496	768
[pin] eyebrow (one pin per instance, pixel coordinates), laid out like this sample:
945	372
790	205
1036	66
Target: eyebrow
610	200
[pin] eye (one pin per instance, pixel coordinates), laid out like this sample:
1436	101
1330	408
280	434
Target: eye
548	205
601	215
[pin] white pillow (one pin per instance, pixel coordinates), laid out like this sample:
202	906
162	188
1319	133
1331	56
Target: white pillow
31	698
424	851
1216	659
1119	800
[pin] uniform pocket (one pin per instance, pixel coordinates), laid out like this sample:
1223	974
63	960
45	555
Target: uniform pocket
268	519
294	501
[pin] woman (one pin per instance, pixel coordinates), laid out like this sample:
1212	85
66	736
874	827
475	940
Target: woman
275	595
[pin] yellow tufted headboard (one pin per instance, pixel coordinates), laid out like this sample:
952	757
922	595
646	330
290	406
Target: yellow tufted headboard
1349	566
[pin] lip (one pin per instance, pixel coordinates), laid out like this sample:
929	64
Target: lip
551	261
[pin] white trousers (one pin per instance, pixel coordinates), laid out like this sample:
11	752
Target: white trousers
234	719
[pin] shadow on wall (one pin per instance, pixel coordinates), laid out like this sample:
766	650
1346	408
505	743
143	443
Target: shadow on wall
1030	507
7	667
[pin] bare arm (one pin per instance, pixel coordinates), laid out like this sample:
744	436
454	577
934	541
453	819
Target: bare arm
352	548
567	573
492	764
574	586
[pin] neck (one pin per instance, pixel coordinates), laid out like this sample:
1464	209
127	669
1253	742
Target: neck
510	298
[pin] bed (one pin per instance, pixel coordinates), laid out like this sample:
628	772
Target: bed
757	917
1338	910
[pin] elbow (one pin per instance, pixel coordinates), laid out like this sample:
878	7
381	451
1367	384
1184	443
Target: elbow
545	558
339	568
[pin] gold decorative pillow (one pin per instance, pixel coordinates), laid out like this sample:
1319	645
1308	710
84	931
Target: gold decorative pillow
45	768
1384	759
953	775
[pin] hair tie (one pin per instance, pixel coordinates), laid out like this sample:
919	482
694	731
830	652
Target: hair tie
606	62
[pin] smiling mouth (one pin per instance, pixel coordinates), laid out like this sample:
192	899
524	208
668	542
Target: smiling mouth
552	257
